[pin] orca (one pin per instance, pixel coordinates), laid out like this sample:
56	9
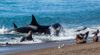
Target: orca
81	29
79	41
96	32
36	28
81	38
14	25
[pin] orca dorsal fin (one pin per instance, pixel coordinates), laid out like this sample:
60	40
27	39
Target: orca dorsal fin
34	22
14	25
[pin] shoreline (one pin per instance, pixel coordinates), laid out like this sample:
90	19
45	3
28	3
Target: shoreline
91	48
14	48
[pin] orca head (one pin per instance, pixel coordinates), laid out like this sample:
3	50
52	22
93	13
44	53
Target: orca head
34	22
57	28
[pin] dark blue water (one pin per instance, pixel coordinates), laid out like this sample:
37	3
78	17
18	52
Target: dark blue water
69	13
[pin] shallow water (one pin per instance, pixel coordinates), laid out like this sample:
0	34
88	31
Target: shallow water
71	14
27	47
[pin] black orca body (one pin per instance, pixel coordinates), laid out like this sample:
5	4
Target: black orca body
96	32
36	28
81	29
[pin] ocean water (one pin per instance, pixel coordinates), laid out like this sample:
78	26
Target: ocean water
71	14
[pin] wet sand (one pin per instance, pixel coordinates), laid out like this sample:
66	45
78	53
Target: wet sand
27	47
92	48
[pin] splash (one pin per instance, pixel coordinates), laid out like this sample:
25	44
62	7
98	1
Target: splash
65	34
2	30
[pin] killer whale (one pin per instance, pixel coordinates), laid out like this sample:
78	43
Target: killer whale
14	25
81	38
36	28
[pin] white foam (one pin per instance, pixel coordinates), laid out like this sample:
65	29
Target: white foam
2	30
65	34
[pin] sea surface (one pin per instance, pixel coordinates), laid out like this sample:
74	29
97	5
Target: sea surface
71	14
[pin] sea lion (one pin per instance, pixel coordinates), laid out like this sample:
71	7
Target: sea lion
81	38
95	38
28	37
79	41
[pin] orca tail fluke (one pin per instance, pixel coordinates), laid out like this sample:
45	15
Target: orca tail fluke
34	22
14	25
86	35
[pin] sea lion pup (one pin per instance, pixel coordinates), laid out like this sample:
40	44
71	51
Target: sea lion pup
28	37
95	38
81	38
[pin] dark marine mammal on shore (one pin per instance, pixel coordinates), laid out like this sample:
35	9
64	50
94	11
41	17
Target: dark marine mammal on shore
28	37
81	38
36	28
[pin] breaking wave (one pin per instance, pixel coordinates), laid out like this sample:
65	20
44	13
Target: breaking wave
65	34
